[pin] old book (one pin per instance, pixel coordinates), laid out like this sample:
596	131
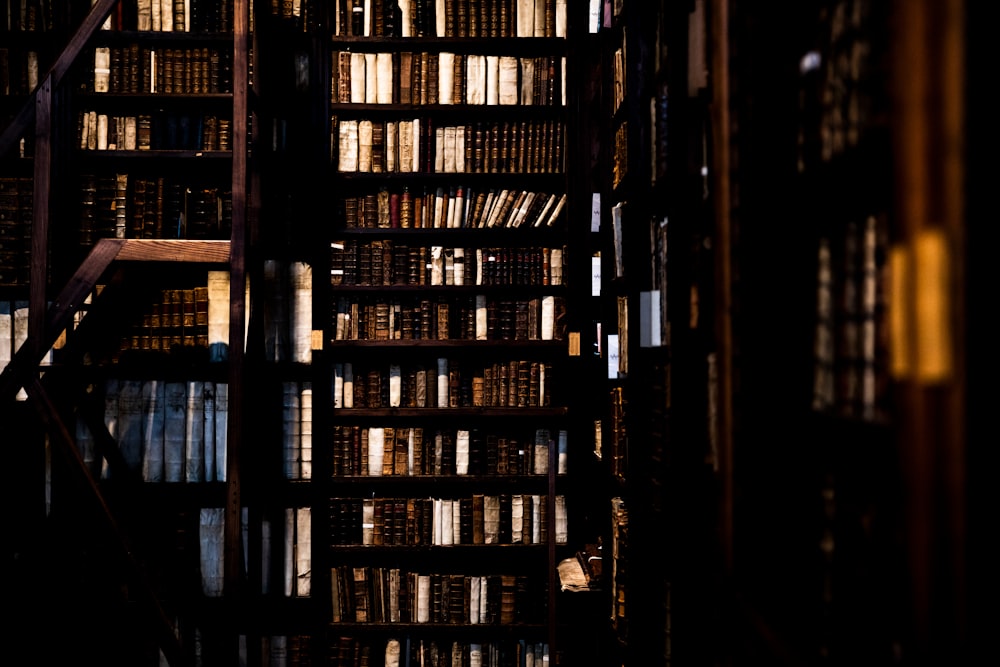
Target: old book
492	79
209	429
376	450
291	420
507	80
102	69
211	526
347	144
174	420
423	598
301	311
194	432
365	145
491	519
218	315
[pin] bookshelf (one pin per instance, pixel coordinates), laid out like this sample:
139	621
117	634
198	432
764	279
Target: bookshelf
440	495
798	517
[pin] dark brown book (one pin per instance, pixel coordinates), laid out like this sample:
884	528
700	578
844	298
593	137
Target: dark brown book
431	82
361	594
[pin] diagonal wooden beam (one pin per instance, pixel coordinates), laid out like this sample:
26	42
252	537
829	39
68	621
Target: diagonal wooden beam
63	442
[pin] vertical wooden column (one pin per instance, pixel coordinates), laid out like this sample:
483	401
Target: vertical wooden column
722	299
237	293
928	317
40	215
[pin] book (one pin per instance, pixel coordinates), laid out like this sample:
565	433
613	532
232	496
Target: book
218	315
194	431
154	412
174	431
211	531
301	312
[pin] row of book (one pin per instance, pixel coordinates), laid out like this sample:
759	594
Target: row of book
457	206
448	18
466	318
282	650
288	305
518	383
419	145
297	429
176	318
18	71
509	518
415	451
158	131
407	77
30	15
404	451
407	651
372	594
14	317
198	16
385	262
851	359
191	70
16	215
167	431
123	205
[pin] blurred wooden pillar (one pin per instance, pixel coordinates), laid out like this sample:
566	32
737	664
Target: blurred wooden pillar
928	316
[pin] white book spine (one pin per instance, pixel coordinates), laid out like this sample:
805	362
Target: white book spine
266	545
174	421
371	78
440	21
383	78
218	315
376	450
290	422
303	552
209	430
211	531
302	306
447	523
348	384
306	429
338	385
289	552
395	385
474	600
446	77
194	435
221	429
492	79
154	411
423	598
130	423
437	532
462	452
442	383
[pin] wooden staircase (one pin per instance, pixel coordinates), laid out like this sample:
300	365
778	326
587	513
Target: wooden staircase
116	264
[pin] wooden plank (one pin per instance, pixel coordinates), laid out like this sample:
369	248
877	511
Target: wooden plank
233	537
42	184
174	250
